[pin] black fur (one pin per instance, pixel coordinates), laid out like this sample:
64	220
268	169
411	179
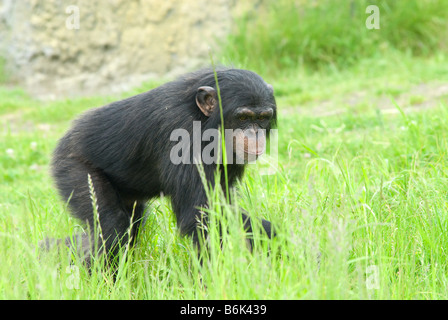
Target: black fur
125	148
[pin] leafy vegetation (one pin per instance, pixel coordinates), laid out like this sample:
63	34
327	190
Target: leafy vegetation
284	34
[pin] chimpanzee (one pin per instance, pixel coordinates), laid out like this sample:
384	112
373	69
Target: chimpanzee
126	148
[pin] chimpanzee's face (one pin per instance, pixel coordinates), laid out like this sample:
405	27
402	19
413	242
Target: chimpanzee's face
250	126
248	117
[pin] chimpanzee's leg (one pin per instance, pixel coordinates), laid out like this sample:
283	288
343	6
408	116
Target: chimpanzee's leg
247	221
190	195
248	227
115	211
189	220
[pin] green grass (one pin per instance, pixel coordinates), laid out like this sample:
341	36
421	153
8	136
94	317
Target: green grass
283	35
359	199
354	192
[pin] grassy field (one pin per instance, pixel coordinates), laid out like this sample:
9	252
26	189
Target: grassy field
359	199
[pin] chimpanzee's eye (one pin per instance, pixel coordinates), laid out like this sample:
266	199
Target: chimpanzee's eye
261	118
243	117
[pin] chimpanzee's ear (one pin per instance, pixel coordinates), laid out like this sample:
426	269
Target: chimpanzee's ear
271	88
206	100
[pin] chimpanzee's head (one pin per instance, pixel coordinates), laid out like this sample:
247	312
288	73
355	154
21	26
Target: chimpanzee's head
249	110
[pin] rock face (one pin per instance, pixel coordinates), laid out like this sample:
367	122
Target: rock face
66	47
